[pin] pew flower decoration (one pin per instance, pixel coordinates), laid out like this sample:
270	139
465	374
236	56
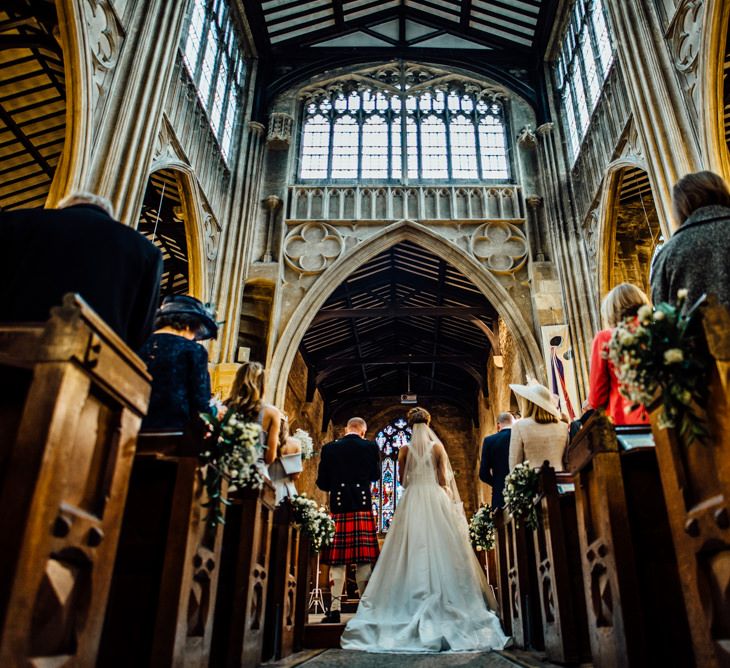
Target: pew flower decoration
305	440
482	531
316	523
231	447
661	351
520	489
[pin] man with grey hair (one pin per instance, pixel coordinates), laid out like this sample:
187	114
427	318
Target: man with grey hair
347	467
79	247
494	465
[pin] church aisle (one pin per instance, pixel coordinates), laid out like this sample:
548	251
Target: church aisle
337	658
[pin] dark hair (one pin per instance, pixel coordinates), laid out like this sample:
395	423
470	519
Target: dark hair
418	415
696	190
178	321
247	390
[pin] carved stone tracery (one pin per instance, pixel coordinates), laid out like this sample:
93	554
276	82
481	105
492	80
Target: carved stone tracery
311	247
501	247
685	37
280	130
105	36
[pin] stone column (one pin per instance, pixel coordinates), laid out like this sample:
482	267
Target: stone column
660	110
272	204
534	222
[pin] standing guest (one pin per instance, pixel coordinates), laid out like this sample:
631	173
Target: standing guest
624	301
79	247
247	399
494	465
285	469
178	365
540	435
697	257
347	466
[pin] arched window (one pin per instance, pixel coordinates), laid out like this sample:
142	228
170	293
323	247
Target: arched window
403	123
388	490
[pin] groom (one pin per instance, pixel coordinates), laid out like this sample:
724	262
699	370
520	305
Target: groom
347	466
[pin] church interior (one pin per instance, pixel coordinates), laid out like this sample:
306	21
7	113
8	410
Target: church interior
386	203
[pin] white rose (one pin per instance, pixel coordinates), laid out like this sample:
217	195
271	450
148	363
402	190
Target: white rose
659	315
644	313
682	294
673	356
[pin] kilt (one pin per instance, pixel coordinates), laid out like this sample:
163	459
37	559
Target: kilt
356	539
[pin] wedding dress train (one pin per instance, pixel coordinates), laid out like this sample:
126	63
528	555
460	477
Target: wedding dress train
428	592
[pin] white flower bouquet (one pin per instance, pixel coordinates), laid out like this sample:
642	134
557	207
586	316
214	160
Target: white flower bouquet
316	523
231	450
482	531
306	442
520	489
660	350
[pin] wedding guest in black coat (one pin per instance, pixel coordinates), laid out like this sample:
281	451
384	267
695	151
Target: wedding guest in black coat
178	365
79	247
494	466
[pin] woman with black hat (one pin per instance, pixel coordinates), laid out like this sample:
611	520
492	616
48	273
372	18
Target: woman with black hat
178	365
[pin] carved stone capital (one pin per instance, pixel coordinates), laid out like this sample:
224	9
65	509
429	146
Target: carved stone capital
272	202
280	130
545	129
256	127
526	138
534	202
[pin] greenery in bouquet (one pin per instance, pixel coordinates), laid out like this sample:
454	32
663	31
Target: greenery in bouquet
316	523
520	489
481	528
661	350
230	451
305	440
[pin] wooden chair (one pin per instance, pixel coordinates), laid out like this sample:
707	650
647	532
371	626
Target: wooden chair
165	577
635	613
557	557
696	483
238	631
500	549
72	401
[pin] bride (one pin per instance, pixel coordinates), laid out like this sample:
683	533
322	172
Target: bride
428	592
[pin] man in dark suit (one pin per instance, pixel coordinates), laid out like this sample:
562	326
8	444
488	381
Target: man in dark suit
347	466
45	253
495	458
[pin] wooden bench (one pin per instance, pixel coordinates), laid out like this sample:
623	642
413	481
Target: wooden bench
238	631
500	553
73	396
165	577
696	483
635	613
557	558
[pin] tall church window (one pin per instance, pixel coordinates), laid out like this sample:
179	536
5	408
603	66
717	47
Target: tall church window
212	54
404	123
582	65
387	491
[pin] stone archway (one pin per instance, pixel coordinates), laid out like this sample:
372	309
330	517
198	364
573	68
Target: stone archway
290	338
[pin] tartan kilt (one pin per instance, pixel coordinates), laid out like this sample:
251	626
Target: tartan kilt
356	539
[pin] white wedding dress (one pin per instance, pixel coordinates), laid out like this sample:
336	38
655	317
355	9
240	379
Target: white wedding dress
428	592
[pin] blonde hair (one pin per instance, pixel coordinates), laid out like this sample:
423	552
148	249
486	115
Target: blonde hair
247	391
622	302
283	429
83	197
696	190
418	415
538	413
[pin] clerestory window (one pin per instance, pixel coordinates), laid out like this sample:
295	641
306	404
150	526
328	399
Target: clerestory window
402	128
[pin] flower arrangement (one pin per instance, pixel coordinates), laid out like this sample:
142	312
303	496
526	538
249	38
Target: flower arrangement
520	489
660	350
316	523
482	530
231	450
305	440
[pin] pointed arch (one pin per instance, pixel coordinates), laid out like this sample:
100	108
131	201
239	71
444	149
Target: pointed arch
300	320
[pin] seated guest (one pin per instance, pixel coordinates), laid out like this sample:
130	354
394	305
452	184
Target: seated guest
577	425
697	257
247	399
624	301
494	465
178	365
79	247
285	469
540	435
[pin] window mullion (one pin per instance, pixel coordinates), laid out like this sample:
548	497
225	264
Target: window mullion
447	125
360	118
477	141
332	115
600	72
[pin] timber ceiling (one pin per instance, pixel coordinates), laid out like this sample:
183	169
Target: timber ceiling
405	316
32	102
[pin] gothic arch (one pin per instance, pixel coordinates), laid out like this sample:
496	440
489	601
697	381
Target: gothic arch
297	325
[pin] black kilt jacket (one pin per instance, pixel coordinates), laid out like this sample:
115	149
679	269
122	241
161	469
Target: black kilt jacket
347	466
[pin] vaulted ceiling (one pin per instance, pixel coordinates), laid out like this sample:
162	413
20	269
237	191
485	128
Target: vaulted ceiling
405	321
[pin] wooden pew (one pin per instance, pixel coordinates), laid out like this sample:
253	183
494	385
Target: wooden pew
500	549
635	613
72	401
165	577
696	483
238	630
557	557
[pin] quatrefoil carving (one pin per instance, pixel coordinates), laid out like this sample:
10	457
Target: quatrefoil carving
501	246
312	247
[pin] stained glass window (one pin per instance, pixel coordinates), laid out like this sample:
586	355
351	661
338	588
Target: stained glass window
356	131
212	55
388	490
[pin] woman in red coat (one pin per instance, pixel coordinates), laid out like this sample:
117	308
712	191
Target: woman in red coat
622	302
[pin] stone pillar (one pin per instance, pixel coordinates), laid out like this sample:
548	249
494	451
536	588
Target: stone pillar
534	222
660	110
272	204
